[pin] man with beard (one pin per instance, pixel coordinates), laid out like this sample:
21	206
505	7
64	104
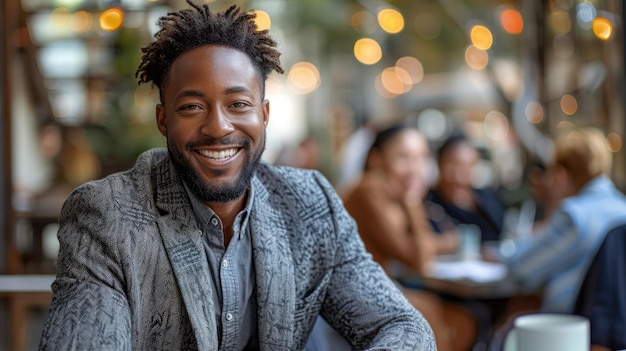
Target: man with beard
205	246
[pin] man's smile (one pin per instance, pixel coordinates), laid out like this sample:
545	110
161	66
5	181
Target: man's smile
219	155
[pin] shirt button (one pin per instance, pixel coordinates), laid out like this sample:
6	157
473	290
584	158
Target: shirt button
214	221
225	263
229	316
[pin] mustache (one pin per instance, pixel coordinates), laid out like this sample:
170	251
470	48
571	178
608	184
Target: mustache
208	141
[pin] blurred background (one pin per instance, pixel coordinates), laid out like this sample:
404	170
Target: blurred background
508	73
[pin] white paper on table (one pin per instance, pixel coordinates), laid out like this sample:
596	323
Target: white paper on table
474	270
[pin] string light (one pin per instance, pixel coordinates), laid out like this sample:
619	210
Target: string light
511	21
367	51
476	58
534	113
304	77
390	20
602	28
481	37
262	20
569	104
111	19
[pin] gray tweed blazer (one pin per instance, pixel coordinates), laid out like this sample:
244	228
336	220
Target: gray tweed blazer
132	272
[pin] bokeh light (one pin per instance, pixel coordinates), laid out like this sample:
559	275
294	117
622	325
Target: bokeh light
381	89
496	126
534	112
390	20
565	125
80	21
263	20
59	17
481	37
511	21
585	14
367	51
569	104
395	80
475	58
111	19
433	123
602	28
304	77
413	67
615	142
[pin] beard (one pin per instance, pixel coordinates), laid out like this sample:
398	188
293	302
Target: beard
207	192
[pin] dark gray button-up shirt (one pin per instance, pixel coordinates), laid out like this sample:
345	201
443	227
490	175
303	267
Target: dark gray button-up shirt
232	276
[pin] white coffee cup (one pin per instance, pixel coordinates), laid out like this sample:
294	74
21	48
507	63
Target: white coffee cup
548	332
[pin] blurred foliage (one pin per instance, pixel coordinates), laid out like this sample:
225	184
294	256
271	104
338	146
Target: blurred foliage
122	135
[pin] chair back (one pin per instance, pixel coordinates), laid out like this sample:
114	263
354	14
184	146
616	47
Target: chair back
602	296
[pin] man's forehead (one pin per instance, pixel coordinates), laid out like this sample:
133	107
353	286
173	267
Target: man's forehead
224	59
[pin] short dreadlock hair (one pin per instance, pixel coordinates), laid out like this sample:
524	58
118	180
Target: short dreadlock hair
188	29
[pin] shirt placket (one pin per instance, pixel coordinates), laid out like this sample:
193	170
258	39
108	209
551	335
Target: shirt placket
230	293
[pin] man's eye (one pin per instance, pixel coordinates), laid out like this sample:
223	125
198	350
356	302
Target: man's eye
239	104
190	107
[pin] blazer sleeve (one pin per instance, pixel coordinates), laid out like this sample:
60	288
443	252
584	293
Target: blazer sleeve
89	310
362	303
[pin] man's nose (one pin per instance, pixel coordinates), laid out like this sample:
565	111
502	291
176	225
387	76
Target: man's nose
217	123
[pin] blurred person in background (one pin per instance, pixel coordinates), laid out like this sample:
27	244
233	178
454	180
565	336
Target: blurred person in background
386	203
555	257
455	205
305	154
538	194
454	200
205	246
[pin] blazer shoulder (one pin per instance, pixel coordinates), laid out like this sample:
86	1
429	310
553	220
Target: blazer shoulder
134	183
306	184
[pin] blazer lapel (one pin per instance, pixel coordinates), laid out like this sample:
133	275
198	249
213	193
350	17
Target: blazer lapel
275	279
183	244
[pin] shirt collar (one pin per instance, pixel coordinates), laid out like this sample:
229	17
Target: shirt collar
204	213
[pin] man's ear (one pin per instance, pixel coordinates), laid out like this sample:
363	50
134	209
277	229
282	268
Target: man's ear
266	112
160	119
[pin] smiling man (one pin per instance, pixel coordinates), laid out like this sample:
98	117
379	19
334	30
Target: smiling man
204	245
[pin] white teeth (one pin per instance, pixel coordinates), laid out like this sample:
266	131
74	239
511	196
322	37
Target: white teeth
218	155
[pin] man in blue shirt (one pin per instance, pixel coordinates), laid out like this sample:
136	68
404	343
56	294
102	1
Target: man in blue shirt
555	256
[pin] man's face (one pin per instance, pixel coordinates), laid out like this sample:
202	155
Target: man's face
214	117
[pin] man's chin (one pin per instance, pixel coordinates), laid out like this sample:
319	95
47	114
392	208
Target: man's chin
225	192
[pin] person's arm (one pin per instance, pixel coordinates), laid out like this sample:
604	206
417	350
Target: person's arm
446	237
543	253
89	310
446	243
362	303
421	233
398	230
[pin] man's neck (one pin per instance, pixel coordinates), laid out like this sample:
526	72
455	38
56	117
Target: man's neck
227	211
